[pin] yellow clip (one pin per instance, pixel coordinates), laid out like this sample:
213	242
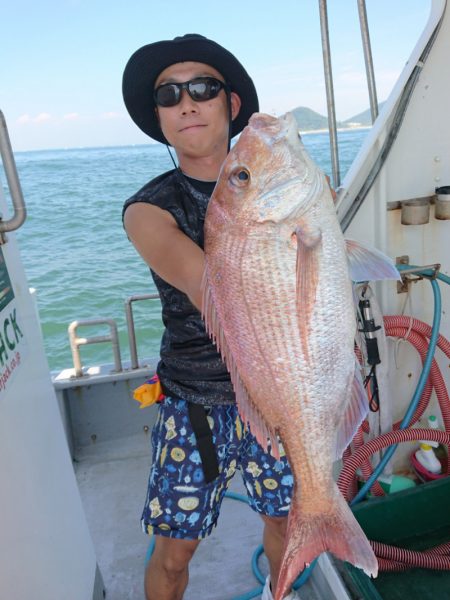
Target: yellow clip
148	393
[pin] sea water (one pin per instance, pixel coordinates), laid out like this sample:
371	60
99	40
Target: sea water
76	253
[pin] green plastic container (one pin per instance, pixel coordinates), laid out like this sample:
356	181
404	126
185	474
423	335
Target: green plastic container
416	519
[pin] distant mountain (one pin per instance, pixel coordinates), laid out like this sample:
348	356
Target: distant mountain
309	120
363	119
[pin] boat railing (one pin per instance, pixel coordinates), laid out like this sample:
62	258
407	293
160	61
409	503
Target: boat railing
76	342
9	165
130	324
331	105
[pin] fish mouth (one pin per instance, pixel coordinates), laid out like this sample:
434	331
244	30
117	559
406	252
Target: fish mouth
264	121
274	127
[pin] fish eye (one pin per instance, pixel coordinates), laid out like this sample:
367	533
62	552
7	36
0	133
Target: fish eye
240	177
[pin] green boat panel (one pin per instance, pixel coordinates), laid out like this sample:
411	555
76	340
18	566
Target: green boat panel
417	519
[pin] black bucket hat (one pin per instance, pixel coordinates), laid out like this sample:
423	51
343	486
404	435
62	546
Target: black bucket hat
148	62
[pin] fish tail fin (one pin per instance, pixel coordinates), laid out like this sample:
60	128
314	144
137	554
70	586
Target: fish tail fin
310	533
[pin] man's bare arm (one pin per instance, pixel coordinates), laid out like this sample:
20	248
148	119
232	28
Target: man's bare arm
166	249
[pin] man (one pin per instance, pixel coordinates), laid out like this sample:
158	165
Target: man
194	95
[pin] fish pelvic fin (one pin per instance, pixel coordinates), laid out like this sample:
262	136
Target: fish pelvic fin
309	240
311	533
369	264
249	413
355	412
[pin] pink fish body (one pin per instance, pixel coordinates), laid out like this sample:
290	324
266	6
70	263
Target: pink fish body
278	301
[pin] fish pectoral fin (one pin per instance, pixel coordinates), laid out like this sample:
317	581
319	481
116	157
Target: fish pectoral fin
309	238
354	414
369	264
248	412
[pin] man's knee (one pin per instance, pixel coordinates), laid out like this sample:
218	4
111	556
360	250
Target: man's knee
174	555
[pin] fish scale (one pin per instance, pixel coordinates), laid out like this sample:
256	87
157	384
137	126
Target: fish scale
275	338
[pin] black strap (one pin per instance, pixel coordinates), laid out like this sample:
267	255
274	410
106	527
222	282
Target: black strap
205	445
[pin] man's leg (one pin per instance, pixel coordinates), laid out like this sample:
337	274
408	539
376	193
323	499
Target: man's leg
167	574
180	506
273	540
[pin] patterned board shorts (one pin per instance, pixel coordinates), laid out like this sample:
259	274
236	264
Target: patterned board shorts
179	503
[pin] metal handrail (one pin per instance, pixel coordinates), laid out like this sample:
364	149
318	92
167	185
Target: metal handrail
331	107
75	342
130	325
20	211
368	59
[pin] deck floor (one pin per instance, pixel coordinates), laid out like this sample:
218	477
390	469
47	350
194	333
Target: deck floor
112	478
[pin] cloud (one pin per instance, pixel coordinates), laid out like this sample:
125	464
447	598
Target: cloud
112	115
71	116
42	117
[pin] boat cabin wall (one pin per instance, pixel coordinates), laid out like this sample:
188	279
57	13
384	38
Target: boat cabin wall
418	163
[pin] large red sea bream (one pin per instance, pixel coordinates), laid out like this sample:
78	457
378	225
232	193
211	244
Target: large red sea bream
278	301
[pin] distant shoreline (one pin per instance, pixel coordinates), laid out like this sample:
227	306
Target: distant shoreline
157	144
324	130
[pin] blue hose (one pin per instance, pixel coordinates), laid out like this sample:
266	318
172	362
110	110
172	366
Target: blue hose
150	549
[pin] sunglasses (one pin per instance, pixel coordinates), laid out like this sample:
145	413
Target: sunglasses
199	89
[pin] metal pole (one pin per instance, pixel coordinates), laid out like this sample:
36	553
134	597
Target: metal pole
15	190
331	108
368	59
74	348
131	333
130	325
115	346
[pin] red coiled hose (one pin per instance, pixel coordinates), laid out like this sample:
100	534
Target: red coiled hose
366	467
392	558
418	333
419	326
383	441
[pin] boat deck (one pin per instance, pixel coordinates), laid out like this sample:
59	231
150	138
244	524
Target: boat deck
112	477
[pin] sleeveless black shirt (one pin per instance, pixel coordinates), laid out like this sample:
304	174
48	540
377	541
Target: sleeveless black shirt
190	366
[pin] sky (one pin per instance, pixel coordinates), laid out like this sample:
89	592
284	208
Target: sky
62	60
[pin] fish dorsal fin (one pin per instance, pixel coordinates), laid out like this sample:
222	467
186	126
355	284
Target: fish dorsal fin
248	411
369	264
309	239
354	414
